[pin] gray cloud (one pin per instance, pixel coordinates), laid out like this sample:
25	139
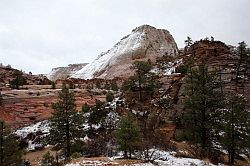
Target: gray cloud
36	35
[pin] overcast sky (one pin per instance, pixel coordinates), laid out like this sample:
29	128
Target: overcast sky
37	35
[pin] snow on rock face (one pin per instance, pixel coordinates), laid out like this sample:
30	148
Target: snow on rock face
33	134
145	42
37	127
64	72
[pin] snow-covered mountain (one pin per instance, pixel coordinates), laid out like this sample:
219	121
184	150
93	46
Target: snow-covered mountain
144	43
65	72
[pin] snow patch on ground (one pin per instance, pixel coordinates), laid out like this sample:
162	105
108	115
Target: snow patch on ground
37	130
94	163
162	158
37	127
158	157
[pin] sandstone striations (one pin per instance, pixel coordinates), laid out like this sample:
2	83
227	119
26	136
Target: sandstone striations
65	72
144	43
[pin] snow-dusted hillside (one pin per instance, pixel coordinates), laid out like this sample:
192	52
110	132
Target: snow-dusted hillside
33	134
145	42
65	72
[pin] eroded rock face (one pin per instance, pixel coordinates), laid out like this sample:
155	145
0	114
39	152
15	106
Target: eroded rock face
24	107
144	43
65	72
7	74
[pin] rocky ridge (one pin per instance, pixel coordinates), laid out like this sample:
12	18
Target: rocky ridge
144	43
65	72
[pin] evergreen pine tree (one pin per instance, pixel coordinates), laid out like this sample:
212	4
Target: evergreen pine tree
128	135
97	113
143	80
188	43
10	153
203	99
66	122
235	128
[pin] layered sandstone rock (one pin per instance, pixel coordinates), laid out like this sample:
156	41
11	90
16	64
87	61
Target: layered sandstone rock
65	72
23	107
144	43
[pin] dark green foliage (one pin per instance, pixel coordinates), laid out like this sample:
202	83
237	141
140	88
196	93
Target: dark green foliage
183	69
127	135
97	113
53	85
48	160
244	55
18	80
188	42
203	99
98	104
77	147
114	85
66	123
143	80
85	107
235	128
10	153
242	51
1	99
129	84
109	96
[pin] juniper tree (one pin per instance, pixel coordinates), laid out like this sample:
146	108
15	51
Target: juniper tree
10	152
128	135
235	128
202	100
66	122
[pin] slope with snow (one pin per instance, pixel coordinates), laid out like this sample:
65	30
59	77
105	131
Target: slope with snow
33	134
144	43
64	72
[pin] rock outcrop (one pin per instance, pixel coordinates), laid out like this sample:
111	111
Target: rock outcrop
144	43
65	72
7	74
